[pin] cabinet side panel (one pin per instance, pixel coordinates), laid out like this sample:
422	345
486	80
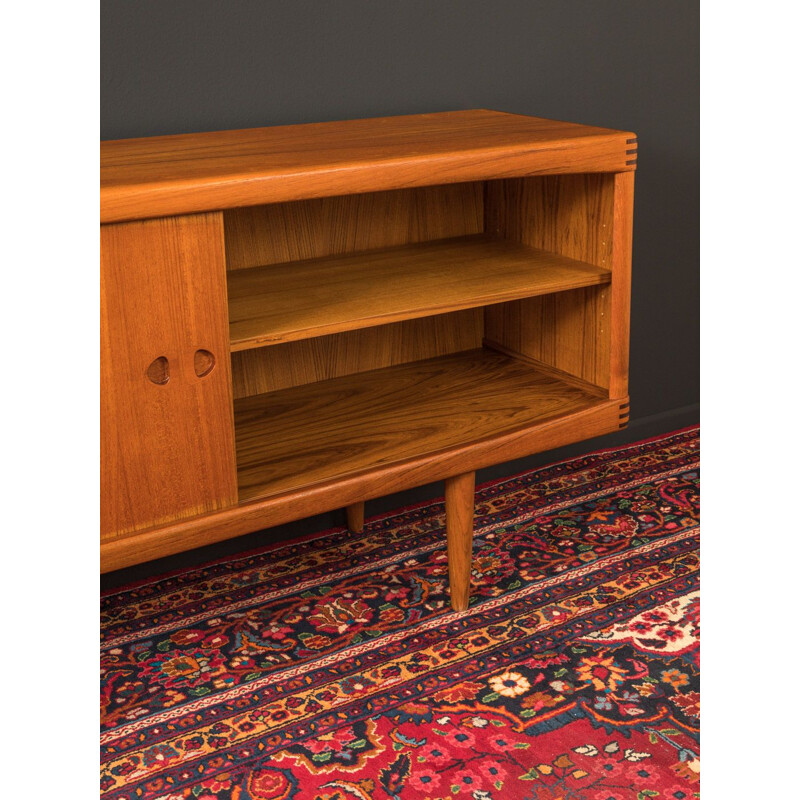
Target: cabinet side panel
272	234
572	215
167	445
621	282
557	329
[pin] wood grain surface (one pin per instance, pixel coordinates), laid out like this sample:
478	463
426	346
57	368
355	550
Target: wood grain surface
297	300
166	433
273	234
367	260
355	517
266	369
603	416
621	285
557	329
572	215
166	175
296	437
459	500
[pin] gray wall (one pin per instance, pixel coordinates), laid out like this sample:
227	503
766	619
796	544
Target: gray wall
175	66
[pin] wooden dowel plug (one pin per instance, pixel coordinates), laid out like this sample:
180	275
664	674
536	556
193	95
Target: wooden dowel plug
459	499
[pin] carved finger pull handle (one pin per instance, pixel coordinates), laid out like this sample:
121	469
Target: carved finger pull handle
204	362
158	371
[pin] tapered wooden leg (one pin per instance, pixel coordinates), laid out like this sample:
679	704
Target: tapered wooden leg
355	517
459	503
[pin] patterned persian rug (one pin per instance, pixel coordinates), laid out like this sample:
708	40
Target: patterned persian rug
331	668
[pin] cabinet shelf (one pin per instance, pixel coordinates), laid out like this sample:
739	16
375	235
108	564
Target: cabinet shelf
299	300
294	438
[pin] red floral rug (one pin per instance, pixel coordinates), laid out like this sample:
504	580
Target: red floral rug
332	668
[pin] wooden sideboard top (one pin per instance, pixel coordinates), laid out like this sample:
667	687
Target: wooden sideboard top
189	173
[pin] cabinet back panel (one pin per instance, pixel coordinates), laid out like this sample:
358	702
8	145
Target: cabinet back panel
282	232
273	234
308	360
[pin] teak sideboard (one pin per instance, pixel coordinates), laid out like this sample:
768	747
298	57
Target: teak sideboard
301	318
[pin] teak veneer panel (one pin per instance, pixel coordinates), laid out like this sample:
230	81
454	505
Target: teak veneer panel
166	447
294	438
557	329
272	234
280	232
567	214
287	302
572	215
602	417
166	175
621	287
266	369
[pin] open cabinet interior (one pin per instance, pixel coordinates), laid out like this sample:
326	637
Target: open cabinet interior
301	318
378	328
